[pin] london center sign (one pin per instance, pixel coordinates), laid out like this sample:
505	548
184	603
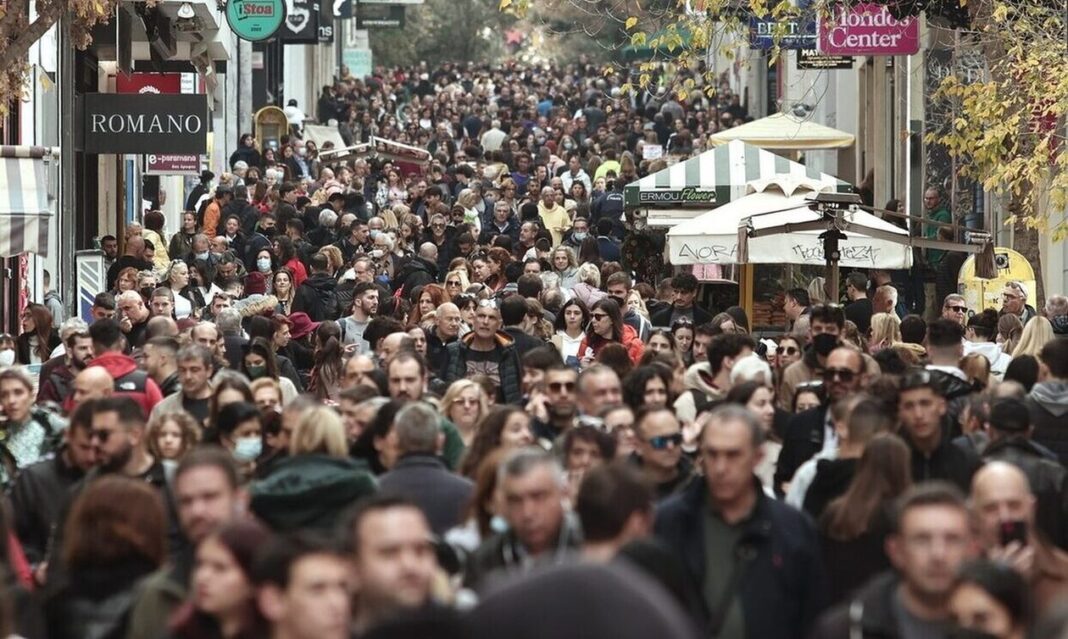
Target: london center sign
867	29
124	123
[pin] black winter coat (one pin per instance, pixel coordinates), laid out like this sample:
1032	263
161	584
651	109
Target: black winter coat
1048	404
97	602
36	499
802	439
415	272
440	494
867	615
947	462
783	585
317	297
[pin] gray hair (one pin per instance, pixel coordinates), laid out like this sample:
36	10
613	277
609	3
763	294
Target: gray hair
229	321
418	428
1019	286
72	326
194	351
590	274
734	413
525	460
327	218
1056	305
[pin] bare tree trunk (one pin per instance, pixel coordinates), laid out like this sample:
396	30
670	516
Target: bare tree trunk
1025	241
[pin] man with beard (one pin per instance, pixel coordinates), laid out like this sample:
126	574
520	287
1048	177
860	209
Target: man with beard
364	307
41	488
57	374
160	363
560	403
486	351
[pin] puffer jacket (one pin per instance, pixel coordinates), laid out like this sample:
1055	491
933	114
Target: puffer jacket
1048	403
509	369
629	339
310	491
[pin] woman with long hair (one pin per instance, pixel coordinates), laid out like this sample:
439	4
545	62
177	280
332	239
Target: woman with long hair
465	403
38	338
228	387
202	279
683	331
181	244
286	254
607	327
991	599
565	264
497	259
1036	334
885	331
429	299
126	280
661	341
456	282
115	535
759	398
153	233
590	252
239	429
176	278
853	527
503	427
282	288
222	602
649	387
570	327
377	444
1010	329
325	379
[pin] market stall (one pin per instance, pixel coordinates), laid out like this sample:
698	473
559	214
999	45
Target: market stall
785	131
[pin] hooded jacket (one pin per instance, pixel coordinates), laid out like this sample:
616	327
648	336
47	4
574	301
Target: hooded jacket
310	491
510	371
700	392
1048	403
999	359
1060	325
416	271
130	380
317	297
629	339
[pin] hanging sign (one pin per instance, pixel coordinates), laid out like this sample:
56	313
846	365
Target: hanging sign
813	59
132	123
380	16
867	29
302	23
255	20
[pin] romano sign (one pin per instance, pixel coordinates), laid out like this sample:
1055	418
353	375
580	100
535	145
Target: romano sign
175	124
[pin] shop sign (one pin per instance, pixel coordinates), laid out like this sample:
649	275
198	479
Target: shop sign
116	123
148	83
812	59
172	164
255	20
302	23
686	195
795	34
380	16
867	29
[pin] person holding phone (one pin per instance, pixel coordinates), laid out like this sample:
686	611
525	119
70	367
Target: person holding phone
1004	509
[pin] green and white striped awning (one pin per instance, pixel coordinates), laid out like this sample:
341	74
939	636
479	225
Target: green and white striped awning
716	177
25	201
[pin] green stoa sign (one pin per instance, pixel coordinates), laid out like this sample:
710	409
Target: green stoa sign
255	20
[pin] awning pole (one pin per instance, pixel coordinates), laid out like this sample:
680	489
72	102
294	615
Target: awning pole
66	219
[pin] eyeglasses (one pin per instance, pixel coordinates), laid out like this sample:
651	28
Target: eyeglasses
598	316
1009	296
958	309
557	387
662	442
438	225
844	374
452	283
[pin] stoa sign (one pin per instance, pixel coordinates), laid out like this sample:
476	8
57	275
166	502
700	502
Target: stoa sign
255	20
176	124
867	29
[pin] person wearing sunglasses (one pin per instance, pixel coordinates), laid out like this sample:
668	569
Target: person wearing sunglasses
606	326
921	409
812	431
658	450
955	309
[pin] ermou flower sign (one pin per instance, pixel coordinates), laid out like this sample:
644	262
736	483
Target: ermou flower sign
867	29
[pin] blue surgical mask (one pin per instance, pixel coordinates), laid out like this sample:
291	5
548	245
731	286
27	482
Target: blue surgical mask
248	449
579	235
263	265
202	256
498	524
375	233
7	357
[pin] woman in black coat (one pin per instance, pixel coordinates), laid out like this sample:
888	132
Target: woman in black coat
38	338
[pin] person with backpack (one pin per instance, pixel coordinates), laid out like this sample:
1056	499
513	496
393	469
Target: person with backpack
317	296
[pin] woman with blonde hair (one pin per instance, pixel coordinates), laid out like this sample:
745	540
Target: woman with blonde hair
1036	334
465	404
588	288
565	264
885	331
334	258
456	282
1010	329
636	303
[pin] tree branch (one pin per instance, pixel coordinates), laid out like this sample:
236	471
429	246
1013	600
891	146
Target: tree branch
13	50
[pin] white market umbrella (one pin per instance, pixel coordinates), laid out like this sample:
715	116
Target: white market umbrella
780	228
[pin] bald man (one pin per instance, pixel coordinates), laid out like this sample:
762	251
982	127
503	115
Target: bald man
1004	508
391	344
92	383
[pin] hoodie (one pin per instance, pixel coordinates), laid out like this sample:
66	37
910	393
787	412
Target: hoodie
1060	325
700	388
416	272
130	380
1048	404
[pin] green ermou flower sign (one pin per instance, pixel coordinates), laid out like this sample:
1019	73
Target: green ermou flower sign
255	20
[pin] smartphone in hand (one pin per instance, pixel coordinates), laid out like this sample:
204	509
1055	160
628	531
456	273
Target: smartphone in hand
1011	531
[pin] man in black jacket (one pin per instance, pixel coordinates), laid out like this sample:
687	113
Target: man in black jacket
420	474
921	409
932	540
684	286
419	270
317	296
755	560
1010	441
41	488
514	316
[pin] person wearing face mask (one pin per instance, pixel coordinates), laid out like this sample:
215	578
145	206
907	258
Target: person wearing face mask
240	429
7	350
201	250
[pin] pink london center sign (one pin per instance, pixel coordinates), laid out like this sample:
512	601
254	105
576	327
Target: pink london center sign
867	29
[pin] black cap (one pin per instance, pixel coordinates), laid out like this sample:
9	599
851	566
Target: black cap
1010	415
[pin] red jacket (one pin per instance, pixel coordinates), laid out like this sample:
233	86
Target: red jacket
130	380
635	347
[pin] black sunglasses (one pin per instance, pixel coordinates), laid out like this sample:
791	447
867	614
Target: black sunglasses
662	442
844	374
556	387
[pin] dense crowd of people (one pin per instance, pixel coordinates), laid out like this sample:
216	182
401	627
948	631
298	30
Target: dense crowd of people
349	399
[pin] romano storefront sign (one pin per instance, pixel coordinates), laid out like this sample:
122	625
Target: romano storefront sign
176	124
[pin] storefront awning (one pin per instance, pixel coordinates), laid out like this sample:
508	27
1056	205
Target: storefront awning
319	134
716	177
25	201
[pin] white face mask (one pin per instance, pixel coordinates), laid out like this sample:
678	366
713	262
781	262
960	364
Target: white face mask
7	358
